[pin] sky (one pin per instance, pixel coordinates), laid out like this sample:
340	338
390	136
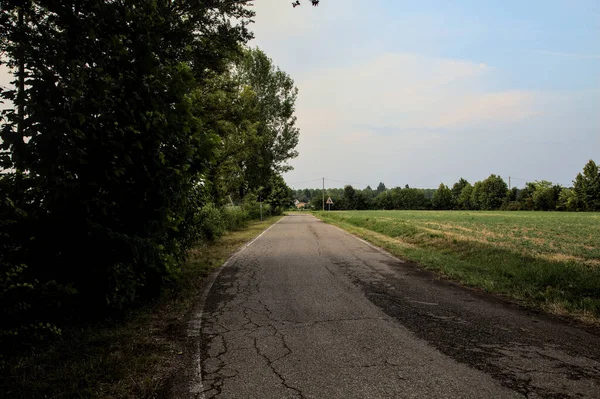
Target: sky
426	92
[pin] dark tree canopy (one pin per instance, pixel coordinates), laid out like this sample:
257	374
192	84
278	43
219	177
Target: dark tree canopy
122	111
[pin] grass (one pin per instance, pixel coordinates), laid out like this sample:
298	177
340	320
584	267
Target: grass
133	358
548	260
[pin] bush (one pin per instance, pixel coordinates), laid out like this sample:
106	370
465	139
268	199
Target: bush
211	222
511	206
235	218
251	207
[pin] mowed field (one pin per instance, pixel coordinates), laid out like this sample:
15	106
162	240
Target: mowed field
550	260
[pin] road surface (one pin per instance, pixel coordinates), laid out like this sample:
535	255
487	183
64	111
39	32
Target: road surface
309	311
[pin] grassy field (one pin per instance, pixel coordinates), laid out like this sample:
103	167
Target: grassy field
133	358
550	260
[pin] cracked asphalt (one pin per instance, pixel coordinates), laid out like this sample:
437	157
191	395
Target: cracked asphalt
309	311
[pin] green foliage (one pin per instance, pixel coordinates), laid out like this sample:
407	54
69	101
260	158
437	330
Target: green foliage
457	189
251	205
587	188
234	218
349	199
142	119
464	199
211	222
105	162
277	195
251	109
545	196
443	198
568	201
489	194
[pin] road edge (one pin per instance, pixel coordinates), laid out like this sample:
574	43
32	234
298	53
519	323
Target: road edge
195	387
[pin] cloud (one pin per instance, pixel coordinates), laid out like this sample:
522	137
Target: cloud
409	92
508	106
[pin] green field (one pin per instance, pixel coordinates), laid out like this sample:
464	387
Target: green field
550	260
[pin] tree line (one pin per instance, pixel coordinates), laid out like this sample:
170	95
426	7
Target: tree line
489	194
133	131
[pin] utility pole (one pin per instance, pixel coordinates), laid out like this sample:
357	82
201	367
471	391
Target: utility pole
323	194
509	182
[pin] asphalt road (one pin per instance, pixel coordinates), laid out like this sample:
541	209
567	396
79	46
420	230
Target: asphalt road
309	311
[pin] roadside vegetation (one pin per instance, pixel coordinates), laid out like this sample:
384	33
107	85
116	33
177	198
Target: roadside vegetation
549	260
491	193
132	133
135	356
133	136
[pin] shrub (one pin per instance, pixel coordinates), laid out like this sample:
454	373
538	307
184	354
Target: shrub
211	222
511	206
235	218
251	207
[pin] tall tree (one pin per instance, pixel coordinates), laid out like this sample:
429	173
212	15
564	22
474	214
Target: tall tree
457	189
349	197
587	187
251	109
108	147
442	198
465	198
276	132
545	196
489	193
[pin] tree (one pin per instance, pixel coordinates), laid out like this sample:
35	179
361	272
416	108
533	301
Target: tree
108	146
277	194
442	198
587	187
381	188
513	194
568	201
525	196
276	134
250	107
490	193
349	198
457	189
363	200
412	198
465	198
545	196
384	201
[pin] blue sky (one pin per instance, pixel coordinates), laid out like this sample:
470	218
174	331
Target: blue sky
425	92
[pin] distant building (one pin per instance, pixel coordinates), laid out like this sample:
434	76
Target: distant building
300	205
